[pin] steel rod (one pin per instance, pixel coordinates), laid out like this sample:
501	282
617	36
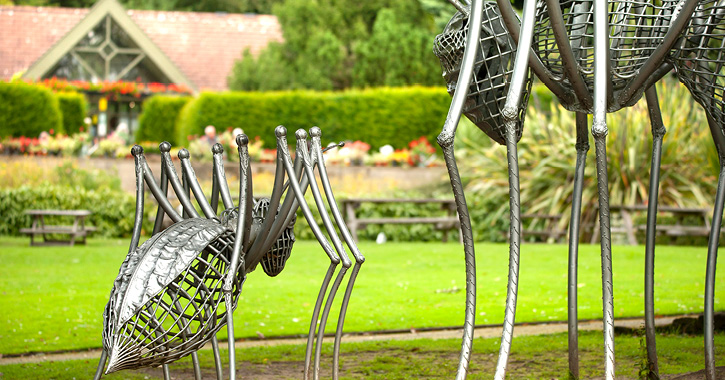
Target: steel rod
217	358
514	252
315	315
193	182
323	320
101	365
712	246
582	147
139	159
178	187
658	132
218	151
159	221
445	140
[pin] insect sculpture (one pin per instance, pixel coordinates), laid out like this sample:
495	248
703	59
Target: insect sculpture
178	289
596	57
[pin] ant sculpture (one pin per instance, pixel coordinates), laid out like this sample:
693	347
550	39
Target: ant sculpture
174	292
596	57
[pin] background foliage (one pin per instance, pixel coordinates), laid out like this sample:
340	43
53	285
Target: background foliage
382	116
66	187
336	44
27	110
158	120
73	107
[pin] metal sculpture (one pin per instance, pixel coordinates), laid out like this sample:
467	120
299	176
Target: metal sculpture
180	287
596	57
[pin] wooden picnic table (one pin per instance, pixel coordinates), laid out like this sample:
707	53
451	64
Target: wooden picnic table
78	230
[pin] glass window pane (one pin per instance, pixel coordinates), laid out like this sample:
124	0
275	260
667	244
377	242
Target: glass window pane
69	68
119	63
95	36
120	38
95	61
146	72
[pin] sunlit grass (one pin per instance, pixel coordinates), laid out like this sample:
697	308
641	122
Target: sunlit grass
52	298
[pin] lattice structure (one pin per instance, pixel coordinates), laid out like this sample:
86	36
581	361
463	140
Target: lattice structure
596	57
274	260
164	324
179	288
636	29
492	69
699	58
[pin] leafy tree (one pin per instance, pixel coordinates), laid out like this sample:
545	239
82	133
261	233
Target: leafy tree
337	44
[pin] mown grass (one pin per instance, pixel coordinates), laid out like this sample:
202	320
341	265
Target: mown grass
52	298
533	357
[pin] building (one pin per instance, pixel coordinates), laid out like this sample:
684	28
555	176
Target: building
109	43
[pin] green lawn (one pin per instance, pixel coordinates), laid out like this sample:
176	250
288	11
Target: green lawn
532	357
52	298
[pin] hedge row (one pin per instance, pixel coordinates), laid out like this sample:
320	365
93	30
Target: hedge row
382	116
158	120
27	110
113	211
73	107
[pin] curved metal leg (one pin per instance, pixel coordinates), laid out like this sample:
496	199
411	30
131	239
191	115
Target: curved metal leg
446	140
582	147
600	144
713	242
217	358
359	258
101	365
514	252
658	132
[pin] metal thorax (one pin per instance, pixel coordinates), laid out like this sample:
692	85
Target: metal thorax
595	57
175	291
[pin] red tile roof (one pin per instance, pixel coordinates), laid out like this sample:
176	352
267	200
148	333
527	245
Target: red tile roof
204	46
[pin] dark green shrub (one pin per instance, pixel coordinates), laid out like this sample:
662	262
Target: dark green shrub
113	211
158	120
73	107
382	116
27	110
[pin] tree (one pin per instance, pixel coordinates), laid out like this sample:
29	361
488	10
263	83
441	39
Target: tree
337	44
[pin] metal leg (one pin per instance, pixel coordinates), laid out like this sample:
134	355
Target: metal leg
101	365
600	144
658	132
713	242
359	258
445	140
514	252
217	358
582	147
165	370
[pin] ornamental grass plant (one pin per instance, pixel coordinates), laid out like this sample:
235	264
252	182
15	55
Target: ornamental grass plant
547	159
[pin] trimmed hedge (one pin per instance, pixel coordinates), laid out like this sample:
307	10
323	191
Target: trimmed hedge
158	120
73	107
113	210
27	110
381	116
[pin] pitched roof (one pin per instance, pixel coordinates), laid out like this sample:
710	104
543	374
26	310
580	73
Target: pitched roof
203	46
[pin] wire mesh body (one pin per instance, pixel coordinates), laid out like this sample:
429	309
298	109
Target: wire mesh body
636	29
175	291
699	58
492	70
172	315
274	260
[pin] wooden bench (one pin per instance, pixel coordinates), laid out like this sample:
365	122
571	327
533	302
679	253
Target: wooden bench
630	228
78	230
550	230
443	223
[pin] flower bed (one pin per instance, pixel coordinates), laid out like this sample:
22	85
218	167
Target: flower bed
419	153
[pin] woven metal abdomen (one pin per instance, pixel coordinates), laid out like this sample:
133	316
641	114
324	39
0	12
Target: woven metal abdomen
274	260
636	29
491	74
167	300
699	56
